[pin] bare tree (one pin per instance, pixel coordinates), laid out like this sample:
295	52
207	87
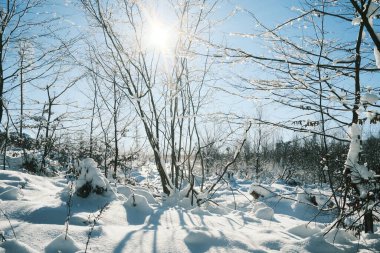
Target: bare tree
52	122
22	52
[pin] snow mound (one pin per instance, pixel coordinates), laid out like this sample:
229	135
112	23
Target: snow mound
200	211
13	246
315	244
340	236
178	198
9	192
203	239
218	210
127	191
258	205
198	241
124	190
138	209
80	219
304	230
314	198
265	213
91	180
323	200
62	245
14	162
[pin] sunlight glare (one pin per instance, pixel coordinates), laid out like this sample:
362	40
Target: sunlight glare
160	37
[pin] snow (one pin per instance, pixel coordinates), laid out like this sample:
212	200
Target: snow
11	246
360	174
377	56
371	115
139	220
258	205
138	209
304	230
128	190
356	21
339	236
355	148
259	189
373	10
62	244
265	213
369	98
9	192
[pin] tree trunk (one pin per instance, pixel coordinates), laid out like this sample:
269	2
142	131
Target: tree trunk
115	129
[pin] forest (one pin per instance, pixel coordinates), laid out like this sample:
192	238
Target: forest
189	126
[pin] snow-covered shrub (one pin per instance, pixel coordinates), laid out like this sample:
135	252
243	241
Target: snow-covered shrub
31	165
90	179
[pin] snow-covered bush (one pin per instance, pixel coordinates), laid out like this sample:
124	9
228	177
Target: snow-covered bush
31	165
90	179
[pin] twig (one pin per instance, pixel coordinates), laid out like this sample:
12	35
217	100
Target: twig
94	223
9	221
69	204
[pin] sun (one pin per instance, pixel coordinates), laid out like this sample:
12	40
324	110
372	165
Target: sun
160	37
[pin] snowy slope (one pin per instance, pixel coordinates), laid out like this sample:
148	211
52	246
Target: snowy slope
137	222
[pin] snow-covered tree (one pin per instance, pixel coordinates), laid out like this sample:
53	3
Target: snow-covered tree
321	62
156	75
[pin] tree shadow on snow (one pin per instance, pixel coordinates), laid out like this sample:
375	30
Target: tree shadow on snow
152	224
201	241
47	215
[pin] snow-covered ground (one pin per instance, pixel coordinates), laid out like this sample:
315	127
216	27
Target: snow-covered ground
132	219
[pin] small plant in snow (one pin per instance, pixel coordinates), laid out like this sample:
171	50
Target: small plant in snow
69	204
94	222
2	236
10	224
31	165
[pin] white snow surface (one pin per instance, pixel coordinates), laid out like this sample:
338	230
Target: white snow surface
265	213
139	221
